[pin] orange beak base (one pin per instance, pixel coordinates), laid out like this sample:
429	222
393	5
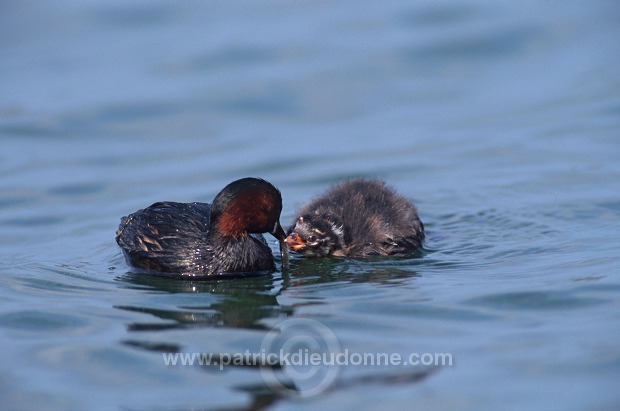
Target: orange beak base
294	242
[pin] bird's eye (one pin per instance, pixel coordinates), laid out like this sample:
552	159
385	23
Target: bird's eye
311	238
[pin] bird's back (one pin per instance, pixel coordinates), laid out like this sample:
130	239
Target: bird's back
166	236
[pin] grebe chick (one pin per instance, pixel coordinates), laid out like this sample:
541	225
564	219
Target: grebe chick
201	239
357	218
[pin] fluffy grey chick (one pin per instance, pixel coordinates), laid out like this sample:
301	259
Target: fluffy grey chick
356	218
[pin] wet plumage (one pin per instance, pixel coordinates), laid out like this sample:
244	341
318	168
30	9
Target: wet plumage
357	218
206	239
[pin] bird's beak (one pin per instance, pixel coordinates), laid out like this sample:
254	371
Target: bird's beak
278	232
294	242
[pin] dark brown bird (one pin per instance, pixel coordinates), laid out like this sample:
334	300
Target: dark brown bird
357	218
201	239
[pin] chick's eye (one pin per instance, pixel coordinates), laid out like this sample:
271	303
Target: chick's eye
311	238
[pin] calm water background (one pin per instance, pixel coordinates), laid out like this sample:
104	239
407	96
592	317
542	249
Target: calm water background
499	119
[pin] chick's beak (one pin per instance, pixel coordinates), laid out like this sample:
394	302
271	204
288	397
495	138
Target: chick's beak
278	232
294	242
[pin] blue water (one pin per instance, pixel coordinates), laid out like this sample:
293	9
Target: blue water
501	120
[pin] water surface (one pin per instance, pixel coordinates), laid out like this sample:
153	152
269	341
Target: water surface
499	119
